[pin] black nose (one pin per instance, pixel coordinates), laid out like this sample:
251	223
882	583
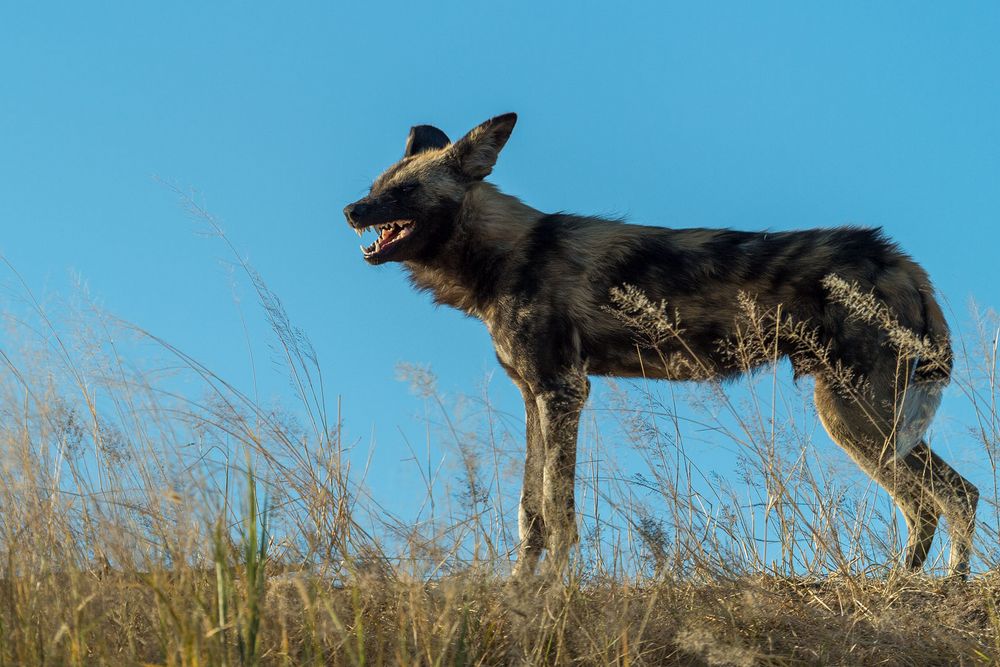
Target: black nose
355	211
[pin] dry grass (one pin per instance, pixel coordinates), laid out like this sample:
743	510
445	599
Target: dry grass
168	618
153	514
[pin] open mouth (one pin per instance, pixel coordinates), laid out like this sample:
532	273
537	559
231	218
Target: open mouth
389	234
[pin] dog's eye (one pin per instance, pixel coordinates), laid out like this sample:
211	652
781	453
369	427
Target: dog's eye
407	188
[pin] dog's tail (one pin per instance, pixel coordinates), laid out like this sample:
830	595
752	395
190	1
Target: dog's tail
929	370
936	366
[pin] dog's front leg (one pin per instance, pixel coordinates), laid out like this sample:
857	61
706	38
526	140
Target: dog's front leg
559	404
530	524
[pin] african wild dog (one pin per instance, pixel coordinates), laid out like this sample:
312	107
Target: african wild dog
542	284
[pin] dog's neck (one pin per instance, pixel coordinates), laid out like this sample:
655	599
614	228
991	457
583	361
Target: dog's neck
489	226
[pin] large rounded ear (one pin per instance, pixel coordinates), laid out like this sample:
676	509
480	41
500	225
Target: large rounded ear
424	138
477	151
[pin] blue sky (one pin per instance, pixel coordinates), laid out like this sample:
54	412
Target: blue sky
765	115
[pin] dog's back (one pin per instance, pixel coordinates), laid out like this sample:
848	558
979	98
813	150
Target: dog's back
707	279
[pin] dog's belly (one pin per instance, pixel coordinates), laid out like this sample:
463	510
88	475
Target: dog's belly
650	363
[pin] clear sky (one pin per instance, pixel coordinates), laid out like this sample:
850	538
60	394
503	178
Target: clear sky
764	115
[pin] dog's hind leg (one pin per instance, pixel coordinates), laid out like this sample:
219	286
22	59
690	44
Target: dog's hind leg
919	482
957	499
863	432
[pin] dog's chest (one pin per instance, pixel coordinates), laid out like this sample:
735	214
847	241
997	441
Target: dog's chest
507	337
518	331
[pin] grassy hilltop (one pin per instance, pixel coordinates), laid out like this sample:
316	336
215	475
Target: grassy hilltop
153	514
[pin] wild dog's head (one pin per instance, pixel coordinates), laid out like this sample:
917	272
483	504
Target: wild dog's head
413	206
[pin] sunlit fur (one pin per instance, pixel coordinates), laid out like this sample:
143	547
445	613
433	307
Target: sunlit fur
542	284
